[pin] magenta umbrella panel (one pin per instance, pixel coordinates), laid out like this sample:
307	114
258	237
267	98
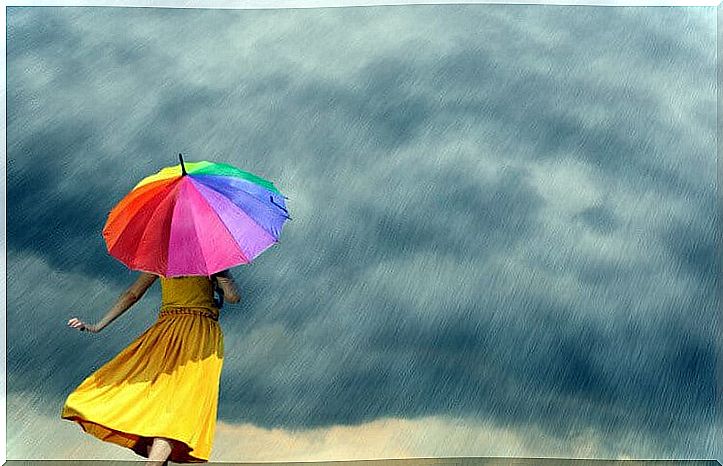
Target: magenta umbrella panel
195	218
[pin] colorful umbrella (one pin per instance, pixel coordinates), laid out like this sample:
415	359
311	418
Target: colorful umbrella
195	218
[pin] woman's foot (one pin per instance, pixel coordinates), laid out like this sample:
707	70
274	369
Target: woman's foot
159	452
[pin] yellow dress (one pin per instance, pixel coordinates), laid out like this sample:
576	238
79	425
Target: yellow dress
165	383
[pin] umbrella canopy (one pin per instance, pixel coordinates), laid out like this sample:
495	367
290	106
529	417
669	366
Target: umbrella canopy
195	218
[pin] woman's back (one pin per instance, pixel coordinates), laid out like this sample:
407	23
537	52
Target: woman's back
187	292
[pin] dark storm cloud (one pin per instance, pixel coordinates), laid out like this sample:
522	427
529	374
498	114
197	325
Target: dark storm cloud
486	366
432	266
539	110
692	244
492	217
63	228
599	218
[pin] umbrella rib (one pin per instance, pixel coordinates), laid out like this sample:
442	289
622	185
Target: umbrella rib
243	254
116	216
249	216
130	221
240	174
261	201
198	240
221	220
195	226
150	220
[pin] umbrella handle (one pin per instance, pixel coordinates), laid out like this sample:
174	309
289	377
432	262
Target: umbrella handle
217	291
271	198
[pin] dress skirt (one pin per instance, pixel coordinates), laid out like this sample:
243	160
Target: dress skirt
164	384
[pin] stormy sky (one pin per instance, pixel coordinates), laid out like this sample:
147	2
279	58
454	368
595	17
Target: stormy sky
503	234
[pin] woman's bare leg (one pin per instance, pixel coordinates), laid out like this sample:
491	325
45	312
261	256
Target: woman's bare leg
148	453
159	452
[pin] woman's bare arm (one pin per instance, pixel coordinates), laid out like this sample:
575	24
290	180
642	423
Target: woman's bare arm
127	299
226	283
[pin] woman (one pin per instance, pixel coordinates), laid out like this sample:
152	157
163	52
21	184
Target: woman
159	396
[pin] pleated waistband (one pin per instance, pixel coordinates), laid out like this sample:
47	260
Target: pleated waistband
201	311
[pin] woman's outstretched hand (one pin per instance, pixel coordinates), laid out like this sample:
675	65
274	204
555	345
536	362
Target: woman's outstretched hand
82	326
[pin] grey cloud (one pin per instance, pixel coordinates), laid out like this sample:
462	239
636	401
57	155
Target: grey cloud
41	301
599	218
693	244
448	212
62	227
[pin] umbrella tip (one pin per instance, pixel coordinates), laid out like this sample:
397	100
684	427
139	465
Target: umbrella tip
183	167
